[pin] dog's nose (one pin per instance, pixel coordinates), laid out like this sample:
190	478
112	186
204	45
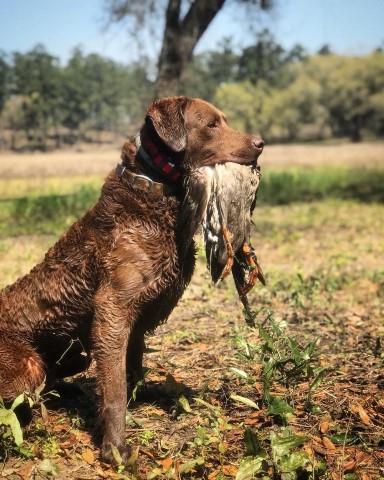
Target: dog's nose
258	142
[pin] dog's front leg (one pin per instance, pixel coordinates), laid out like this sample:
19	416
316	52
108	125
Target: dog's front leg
110	340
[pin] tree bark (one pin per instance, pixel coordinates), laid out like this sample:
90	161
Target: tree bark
179	41
355	132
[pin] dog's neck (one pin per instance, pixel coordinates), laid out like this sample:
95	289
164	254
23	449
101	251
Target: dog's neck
152	158
147	167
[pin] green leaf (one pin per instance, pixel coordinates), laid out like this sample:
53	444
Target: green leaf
8	417
18	401
247	349
253	447
246	401
39	389
116	454
312	408
275	326
309	349
319	378
344	439
133	458
293	462
206	404
239	373
284	441
297	355
267	338
249	467
350	476
269	368
184	404
49	467
188	466
279	407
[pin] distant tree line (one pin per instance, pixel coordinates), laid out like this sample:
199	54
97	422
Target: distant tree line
41	100
284	95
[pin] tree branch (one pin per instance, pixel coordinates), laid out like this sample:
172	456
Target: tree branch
196	21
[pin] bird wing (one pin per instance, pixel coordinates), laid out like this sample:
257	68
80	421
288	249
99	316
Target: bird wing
229	209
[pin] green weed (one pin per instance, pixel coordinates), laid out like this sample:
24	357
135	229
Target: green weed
280	187
11	435
288	363
282	460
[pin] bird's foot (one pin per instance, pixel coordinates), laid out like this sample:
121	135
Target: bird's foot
254	269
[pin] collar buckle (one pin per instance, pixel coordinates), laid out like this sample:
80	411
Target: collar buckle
143	182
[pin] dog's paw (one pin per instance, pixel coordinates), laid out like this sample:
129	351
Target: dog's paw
115	455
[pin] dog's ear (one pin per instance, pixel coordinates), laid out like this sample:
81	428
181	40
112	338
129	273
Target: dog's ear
167	118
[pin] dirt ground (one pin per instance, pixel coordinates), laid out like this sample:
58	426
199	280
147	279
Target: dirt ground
206	369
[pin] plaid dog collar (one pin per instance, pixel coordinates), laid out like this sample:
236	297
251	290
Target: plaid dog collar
157	161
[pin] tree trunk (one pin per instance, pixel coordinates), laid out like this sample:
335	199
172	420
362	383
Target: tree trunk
355	132
179	41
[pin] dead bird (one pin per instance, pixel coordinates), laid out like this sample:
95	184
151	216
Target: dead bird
227	224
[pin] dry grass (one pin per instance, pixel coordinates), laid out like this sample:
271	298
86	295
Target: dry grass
367	155
336	247
325	276
62	163
98	161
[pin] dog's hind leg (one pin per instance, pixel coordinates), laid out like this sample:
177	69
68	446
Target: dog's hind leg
21	368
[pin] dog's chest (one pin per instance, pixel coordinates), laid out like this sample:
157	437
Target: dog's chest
144	255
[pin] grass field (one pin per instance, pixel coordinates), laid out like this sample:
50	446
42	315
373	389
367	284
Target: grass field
301	395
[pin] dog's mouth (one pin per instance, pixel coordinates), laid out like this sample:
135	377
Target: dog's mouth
243	159
231	158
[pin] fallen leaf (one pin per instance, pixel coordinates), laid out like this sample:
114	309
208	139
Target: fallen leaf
147	452
309	451
59	428
44	413
26	471
324	426
364	416
230	470
328	444
101	473
166	463
70	441
350	465
7	471
318	448
155	411
88	456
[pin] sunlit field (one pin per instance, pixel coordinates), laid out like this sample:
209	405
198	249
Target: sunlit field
220	411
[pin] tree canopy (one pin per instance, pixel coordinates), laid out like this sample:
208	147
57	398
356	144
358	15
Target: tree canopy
286	95
183	23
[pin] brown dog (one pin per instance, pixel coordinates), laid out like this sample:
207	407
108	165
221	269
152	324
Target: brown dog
119	271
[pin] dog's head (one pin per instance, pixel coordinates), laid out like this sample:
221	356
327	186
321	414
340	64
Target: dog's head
197	134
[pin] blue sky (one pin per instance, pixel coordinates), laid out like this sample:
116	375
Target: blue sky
349	26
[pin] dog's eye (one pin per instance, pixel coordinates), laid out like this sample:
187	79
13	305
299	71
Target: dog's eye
213	124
